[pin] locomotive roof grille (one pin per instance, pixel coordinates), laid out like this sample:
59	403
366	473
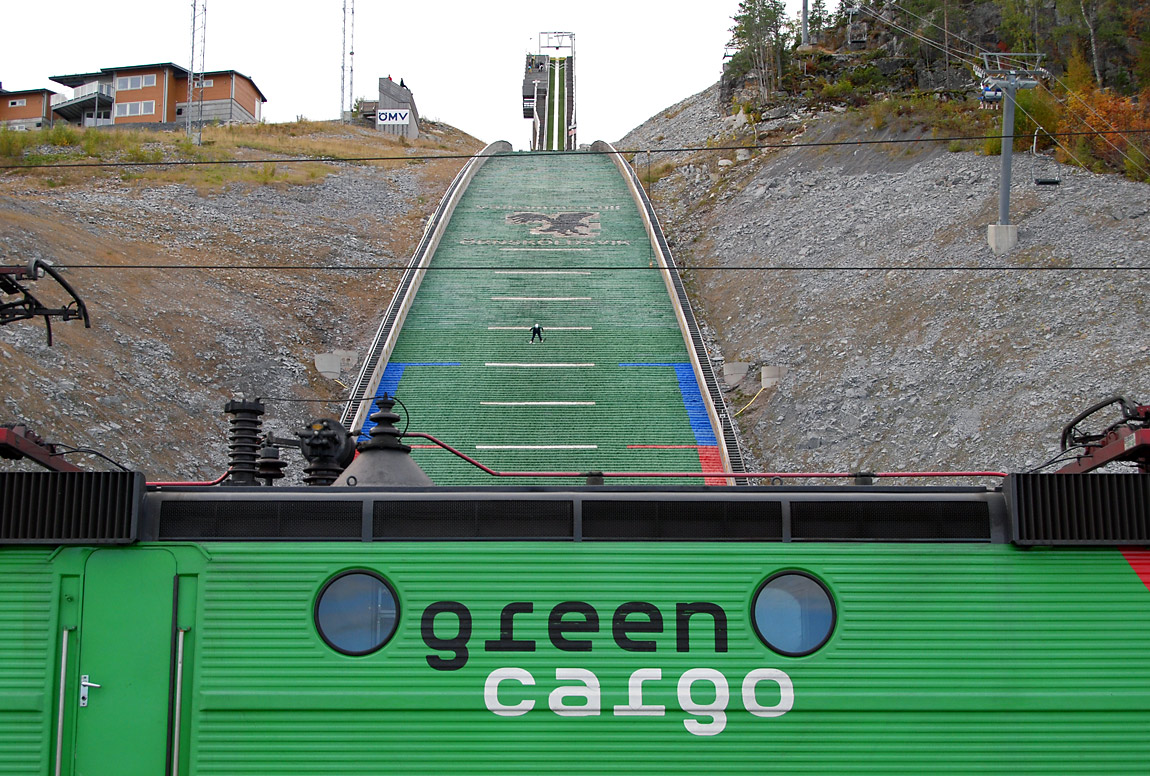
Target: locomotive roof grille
1079	509
591	514
69	507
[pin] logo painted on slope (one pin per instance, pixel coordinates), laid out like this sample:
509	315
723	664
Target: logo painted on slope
577	224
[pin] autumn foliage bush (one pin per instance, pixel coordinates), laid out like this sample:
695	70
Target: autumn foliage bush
1103	112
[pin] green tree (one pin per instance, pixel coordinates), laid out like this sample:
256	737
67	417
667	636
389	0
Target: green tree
1142	65
817	17
1078	74
1019	24
758	30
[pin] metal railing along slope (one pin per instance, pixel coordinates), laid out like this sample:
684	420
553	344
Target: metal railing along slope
367	383
716	406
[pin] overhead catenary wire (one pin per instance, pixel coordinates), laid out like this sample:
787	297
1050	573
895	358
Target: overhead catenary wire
1089	107
619	268
961	56
625	152
973	64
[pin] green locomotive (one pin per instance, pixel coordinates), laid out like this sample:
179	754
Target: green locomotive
585	630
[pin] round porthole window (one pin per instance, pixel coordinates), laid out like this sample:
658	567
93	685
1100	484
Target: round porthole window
793	613
356	612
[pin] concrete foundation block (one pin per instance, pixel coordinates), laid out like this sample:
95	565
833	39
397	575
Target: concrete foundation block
734	372
772	375
1002	237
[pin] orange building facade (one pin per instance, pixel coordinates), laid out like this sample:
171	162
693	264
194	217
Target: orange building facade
26	109
137	94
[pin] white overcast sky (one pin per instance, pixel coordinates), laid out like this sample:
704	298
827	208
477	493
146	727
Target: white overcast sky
462	59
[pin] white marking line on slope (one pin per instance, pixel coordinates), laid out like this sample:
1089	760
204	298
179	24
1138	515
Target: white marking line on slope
549	328
541	271
540	299
505	363
569	250
538	403
537	447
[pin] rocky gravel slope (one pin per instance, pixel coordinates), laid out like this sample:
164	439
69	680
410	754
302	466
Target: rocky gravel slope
907	343
146	385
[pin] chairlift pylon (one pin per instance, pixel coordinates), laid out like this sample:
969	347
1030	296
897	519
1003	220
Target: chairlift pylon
1040	180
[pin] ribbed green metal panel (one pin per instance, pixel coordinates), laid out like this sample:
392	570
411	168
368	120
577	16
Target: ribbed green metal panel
946	658
26	648
949	658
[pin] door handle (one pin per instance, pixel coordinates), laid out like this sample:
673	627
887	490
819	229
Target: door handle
84	685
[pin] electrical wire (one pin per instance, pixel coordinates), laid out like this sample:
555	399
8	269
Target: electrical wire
681	268
975	64
944	30
87	451
1089	107
961	56
1069	91
684	149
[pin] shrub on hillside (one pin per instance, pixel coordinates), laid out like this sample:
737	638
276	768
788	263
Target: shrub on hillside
13	143
1122	126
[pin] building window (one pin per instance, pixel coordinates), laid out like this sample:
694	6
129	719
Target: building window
205	83
17	103
135	81
146	108
356	613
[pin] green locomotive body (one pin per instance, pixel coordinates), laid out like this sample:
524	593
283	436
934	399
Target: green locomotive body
259	648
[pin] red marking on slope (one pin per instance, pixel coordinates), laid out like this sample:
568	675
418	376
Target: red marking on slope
1139	560
662	447
711	461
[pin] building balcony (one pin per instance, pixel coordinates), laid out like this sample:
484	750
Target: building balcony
86	101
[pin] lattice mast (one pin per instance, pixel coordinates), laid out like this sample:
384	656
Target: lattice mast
347	64
194	106
351	65
343	64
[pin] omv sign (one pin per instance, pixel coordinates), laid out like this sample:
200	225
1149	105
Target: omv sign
393	117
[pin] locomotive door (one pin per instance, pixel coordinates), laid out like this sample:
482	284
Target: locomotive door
125	662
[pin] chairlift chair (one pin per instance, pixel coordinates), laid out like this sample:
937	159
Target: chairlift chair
1043	180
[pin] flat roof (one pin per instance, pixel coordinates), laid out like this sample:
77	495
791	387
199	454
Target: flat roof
78	79
8	93
172	65
241	75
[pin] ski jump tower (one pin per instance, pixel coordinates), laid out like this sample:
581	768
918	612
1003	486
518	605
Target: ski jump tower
549	92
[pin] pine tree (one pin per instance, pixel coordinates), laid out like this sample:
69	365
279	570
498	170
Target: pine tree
817	17
758	30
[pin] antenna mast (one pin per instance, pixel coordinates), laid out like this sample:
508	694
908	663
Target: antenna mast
343	65
195	105
351	59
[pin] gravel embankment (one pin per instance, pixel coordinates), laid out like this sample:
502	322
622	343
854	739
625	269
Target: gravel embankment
147	384
909	345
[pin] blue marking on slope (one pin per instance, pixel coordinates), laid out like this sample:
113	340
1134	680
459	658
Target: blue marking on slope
692	401
389	384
